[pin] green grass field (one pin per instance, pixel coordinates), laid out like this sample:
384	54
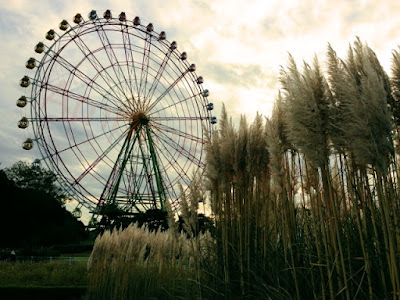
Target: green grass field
44	273
43	280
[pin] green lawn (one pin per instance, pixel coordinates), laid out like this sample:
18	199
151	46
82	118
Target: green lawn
44	274
42	293
44	280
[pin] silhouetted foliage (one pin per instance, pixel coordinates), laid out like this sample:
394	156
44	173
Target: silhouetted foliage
114	217
204	224
35	177
153	219
32	217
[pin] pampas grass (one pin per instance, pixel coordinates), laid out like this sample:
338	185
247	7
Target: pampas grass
305	204
322	223
135	263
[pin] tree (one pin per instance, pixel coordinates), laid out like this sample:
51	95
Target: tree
32	214
35	177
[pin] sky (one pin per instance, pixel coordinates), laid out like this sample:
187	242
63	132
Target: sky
237	46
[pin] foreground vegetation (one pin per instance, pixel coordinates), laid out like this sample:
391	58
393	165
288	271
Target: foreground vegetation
139	264
33	215
306	205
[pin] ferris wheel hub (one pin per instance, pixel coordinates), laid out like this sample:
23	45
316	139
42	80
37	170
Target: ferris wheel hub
143	119
137	118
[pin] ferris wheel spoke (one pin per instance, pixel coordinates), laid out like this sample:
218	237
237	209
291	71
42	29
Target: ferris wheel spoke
90	166
88	140
80	98
172	105
99	158
157	119
160	71
79	119
163	137
126	40
167	90
85	79
178	132
96	64
112	58
145	66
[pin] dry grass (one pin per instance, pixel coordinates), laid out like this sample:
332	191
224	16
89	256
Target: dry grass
306	205
321	219
138	264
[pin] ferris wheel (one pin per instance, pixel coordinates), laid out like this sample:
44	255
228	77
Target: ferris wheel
117	112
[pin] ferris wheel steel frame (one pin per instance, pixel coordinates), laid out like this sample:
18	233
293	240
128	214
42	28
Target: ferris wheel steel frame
141	95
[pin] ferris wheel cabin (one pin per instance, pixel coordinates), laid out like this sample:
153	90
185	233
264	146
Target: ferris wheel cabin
93	15
173	45
31	63
192	68
77	18
107	14
162	36
183	55
21	102
122	17
50	34
136	21
25	82
63	25
39	47
28	144
23	123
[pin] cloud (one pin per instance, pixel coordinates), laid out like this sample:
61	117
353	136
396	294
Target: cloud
237	46
235	74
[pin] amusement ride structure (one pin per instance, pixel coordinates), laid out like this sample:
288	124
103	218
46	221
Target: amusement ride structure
117	112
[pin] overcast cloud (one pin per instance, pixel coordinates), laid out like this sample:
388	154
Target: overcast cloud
237	46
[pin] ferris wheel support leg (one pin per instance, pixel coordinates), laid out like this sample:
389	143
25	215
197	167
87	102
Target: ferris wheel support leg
115	177
157	173
149	180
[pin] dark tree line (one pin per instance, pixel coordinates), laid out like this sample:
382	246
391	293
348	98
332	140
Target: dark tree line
32	210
